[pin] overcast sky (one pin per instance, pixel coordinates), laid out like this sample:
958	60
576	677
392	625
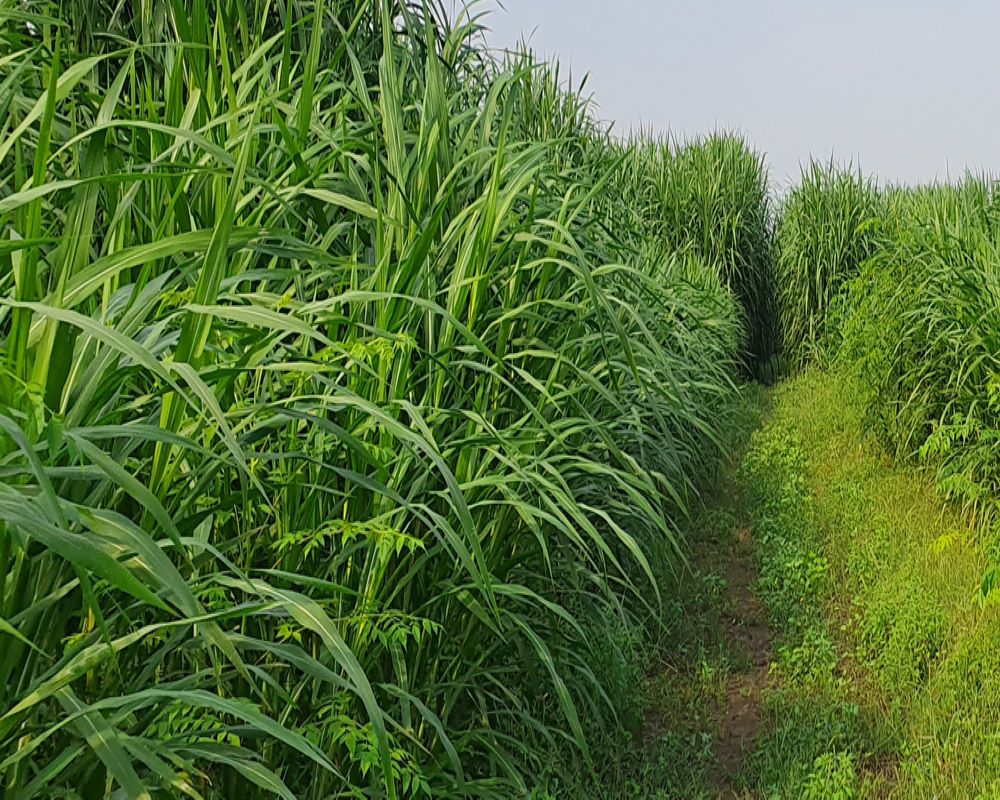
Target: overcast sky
910	89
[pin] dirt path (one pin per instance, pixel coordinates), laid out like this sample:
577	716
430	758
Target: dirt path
711	688
744	625
706	696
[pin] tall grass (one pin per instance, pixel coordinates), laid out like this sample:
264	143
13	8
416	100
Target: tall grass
340	415
901	284
828	226
709	196
924	334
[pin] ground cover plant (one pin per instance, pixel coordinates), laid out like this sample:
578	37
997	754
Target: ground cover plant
882	689
348	428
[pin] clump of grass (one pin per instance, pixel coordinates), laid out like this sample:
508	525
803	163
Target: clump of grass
827	228
901	631
833	778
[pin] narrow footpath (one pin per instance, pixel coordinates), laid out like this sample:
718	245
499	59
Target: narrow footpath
745	626
832	639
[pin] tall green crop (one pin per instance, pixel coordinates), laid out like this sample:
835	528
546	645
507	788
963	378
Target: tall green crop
338	411
901	285
707	196
924	334
827	228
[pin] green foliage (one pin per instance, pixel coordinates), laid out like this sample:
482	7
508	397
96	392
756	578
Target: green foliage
679	687
833	778
912	697
957	718
805	726
902	286
923	337
901	631
810	661
912	311
793	572
828	227
350	407
715	200
707	198
811	715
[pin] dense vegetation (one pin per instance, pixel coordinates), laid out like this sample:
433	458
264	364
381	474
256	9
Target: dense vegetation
902	287
825	233
353	394
359	388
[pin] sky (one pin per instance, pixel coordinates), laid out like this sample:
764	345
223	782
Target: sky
908	89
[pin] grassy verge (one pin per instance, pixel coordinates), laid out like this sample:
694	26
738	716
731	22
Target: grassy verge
886	675
900	285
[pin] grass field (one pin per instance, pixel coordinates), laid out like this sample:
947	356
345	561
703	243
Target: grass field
872	584
373	420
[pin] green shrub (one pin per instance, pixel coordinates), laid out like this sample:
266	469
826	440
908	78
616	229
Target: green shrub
804	726
811	661
773	472
811	715
715	200
833	778
793	571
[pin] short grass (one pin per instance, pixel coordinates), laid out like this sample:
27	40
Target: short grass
891	686
884	680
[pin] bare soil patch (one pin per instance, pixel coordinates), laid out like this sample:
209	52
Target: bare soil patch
740	715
